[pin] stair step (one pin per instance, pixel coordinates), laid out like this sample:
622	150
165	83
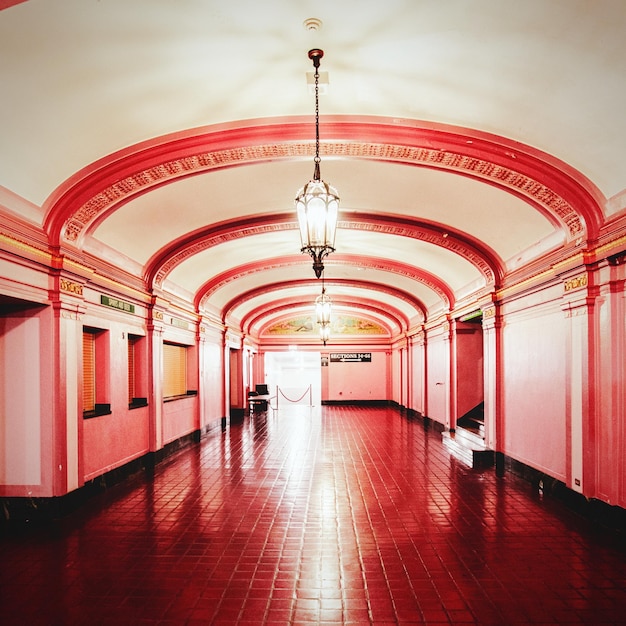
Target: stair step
476	425
472	423
469	451
457	450
470	438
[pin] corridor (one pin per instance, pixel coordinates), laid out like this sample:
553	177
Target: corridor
347	515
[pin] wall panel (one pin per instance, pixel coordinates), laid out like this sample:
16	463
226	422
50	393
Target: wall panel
438	377
358	381
534	388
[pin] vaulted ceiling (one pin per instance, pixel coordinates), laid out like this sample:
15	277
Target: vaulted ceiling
469	142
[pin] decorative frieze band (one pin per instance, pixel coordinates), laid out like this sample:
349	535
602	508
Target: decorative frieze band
450	243
8	241
209	242
413	275
175	168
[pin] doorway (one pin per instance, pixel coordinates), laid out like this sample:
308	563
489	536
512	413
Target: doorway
470	385
295	377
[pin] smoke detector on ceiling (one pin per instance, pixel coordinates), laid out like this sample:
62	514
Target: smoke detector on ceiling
312	23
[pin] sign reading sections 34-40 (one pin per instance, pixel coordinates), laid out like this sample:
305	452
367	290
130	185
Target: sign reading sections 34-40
350	357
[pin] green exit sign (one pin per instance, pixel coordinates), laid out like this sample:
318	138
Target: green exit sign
114	303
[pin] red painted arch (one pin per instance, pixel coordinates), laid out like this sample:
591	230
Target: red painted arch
387	318
430	280
483	258
378	287
548	184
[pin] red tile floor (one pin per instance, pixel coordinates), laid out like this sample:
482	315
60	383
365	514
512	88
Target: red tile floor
354	516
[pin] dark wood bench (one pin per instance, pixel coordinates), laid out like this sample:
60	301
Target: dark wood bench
257	401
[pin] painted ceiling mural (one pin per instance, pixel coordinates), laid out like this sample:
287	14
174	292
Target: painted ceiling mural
339	325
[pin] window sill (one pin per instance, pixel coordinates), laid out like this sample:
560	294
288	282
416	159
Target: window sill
189	393
138	403
101	409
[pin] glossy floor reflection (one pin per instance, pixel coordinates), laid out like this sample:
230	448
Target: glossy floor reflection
340	516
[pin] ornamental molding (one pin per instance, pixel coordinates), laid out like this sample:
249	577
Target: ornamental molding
396	293
395	269
449	243
488	313
412	231
9	241
70	287
69	315
170	170
223	237
577	282
407	273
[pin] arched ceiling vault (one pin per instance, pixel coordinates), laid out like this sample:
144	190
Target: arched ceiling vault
471	146
85	200
485	260
77	213
259	320
206	293
312	289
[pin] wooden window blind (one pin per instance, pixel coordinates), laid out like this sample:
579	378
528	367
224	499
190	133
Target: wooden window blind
89	371
132	343
174	370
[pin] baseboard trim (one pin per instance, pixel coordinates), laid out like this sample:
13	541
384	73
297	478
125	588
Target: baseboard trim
357	403
49	508
595	511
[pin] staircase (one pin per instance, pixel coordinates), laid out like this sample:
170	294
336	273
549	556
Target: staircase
467	442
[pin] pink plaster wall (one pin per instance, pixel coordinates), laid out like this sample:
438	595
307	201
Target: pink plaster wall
437	378
109	441
396	376
609	436
533	424
359	381
21	444
27	441
534	366
179	418
417	382
212	386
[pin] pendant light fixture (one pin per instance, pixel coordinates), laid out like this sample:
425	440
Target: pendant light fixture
322	308
325	333
323	305
317	202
